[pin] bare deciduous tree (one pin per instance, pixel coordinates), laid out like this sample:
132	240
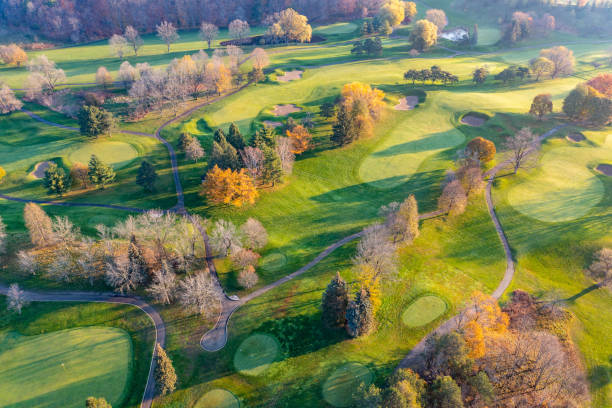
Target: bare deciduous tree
453	199
16	298
239	29
118	44
89	260
199	294
403	224
234	54
601	268
167	32
2	237
244	257
65	232
103	77
163	287
254	234
63	268
193	150
122	276
247	278
376	250
253	159
208	33
39	225
127	74
158	227
27	262
260	58
225	237
284	148
522	146
46	72
133	38
8	101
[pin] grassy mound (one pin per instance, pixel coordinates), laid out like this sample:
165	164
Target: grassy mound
563	188
255	354
273	261
62	369
218	398
424	310
118	154
341	385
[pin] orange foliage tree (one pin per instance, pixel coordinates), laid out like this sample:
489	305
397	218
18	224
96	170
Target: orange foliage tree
603	84
300	139
364	93
229	187
485	319
483	148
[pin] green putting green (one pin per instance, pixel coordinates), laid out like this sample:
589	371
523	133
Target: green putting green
340	386
118	154
273	261
424	310
563	189
61	369
338	28
255	354
423	134
218	398
488	36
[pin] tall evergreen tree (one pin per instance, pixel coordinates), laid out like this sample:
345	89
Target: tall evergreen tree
272	166
444	393
56	180
100	174
146	176
360	314
165	375
343	130
234	137
94	121
219	136
335	302
265	136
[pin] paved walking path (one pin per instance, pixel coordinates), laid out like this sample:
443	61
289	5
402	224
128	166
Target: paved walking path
413	359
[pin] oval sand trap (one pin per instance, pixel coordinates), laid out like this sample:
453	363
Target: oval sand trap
605	169
424	310
290	76
117	154
341	385
473	120
273	261
40	169
255	354
218	398
272	124
407	103
284	110
563	189
576	137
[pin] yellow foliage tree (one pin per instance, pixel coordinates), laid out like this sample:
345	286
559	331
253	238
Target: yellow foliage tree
229	187
364	93
300	139
474	337
488	313
2	173
392	12
368	279
219	77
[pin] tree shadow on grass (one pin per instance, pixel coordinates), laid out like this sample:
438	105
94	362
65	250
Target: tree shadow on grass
600	375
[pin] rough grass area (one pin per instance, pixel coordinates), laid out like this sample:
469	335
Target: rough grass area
340	387
255	354
58	354
424	310
63	368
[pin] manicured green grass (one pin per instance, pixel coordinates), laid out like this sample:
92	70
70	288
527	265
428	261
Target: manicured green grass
338	28
424	310
341	386
255	354
117	154
61	369
218	398
58	354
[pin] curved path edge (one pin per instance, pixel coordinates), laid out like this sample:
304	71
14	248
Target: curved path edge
73	296
413	358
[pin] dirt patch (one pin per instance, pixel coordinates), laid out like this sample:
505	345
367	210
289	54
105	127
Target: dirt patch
473	120
290	76
272	124
284	110
407	103
40	169
576	137
605	169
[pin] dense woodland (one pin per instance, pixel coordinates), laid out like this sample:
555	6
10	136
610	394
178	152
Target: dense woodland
62	20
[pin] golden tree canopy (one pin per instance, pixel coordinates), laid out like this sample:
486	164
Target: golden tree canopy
300	139
229	187
359	92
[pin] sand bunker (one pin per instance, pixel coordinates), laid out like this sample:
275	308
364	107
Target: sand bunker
290	76
473	120
284	110
407	103
576	137
40	169
605	169
272	124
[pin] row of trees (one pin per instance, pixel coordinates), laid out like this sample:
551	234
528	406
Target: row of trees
433	74
97	173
